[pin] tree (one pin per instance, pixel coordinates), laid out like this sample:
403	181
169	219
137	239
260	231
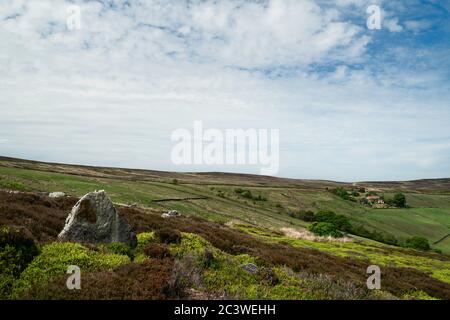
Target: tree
339	221
325	216
399	200
341	192
418	243
325	229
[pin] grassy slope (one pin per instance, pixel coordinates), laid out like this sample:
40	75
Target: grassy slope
428	217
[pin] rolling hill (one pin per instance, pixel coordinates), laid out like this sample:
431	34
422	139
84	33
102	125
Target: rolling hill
258	223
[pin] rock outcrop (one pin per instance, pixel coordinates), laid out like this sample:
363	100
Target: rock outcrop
94	219
171	214
250	268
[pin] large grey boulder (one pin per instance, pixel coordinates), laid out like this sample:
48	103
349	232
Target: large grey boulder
94	219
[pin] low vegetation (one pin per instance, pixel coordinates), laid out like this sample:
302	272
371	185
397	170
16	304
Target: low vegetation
247	194
418	243
17	250
55	259
176	257
223	228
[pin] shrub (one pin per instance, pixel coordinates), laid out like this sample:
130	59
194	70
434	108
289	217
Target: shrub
341	192
398	201
390	239
418	243
157	250
191	244
325	216
136	281
6	285
325	229
326	286
41	216
417	295
260	198
339	221
268	276
342	223
167	235
57	257
144	239
361	231
185	273
17	250
232	241
248	195
120	248
244	193
208	258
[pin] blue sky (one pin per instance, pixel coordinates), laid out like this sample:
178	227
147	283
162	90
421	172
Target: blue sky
351	103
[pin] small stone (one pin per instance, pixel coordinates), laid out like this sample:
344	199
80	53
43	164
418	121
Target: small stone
250	267
57	194
171	214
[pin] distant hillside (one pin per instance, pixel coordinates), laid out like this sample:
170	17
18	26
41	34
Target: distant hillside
227	221
425	185
274	202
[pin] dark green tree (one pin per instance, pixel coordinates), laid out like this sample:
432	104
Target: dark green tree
399	200
419	243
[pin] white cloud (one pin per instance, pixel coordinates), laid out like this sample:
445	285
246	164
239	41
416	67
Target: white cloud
112	92
417	25
392	25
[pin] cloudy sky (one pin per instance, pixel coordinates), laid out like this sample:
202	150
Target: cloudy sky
351	103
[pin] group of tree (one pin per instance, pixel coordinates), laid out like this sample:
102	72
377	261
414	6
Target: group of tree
398	201
328	223
247	194
345	194
325	223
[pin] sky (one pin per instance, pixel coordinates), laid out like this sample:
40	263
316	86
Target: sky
351	103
